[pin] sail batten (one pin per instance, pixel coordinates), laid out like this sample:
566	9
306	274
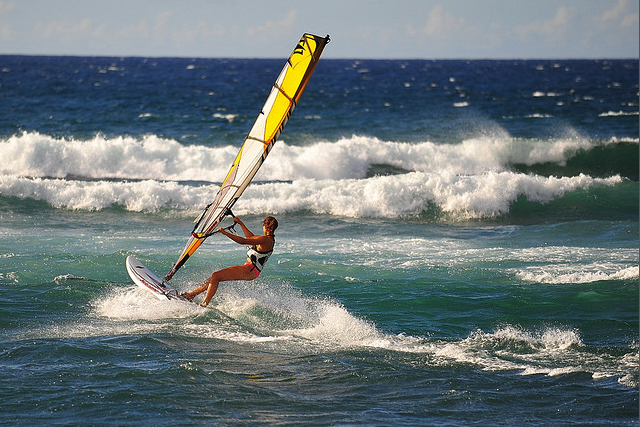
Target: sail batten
282	99
257	139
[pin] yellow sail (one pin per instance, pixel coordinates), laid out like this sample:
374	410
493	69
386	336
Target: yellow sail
276	111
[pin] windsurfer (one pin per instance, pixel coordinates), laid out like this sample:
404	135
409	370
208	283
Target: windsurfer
260	249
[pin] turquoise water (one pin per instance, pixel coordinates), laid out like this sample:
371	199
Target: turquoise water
453	248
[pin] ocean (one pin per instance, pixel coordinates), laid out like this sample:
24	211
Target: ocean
458	244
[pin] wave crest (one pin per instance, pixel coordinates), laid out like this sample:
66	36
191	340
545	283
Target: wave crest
464	197
151	157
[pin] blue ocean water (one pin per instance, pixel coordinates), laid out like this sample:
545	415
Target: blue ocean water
458	244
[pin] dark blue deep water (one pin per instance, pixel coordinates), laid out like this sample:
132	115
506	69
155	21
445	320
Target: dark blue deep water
458	244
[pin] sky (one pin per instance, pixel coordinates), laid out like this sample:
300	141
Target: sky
359	29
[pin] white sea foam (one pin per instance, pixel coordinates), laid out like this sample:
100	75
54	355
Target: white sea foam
550	351
228	117
95	195
539	94
547	264
538	116
284	313
278	315
136	304
151	157
512	348
618	113
392	196
464	197
36	155
466	180
576	273
280	310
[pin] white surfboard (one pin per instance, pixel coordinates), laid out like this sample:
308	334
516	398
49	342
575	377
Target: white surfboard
146	279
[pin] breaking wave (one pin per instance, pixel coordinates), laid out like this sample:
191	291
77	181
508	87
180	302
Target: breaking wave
444	195
151	157
486	177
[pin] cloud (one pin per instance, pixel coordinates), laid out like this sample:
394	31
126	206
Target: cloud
6	32
6	29
618	15
5	8
200	32
285	24
161	22
139	30
630	20
441	24
145	30
64	30
552	28
615	12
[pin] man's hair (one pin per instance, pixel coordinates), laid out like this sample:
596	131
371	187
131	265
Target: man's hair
271	222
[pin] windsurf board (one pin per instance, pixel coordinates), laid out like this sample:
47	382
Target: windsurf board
146	279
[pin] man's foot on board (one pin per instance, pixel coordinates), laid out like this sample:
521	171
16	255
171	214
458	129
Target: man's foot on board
186	296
